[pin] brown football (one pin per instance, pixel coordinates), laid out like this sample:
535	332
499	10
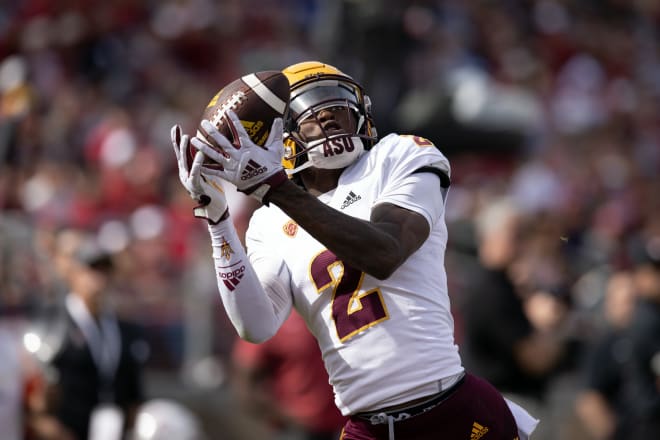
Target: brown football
257	99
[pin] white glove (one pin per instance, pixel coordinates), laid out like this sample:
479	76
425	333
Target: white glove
253	169
205	187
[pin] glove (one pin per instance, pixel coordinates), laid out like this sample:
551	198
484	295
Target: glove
254	170
205	187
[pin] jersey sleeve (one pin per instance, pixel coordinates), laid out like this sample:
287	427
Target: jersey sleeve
417	192
273	272
256	305
418	175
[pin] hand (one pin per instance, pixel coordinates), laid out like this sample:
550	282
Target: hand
203	188
253	169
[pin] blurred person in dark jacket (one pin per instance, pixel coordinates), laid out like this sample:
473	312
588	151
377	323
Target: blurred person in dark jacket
643	408
600	402
501	342
95	359
621	397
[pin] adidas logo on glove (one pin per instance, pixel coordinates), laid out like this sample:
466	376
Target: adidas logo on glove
252	169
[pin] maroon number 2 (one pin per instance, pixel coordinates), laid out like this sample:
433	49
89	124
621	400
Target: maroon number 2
353	310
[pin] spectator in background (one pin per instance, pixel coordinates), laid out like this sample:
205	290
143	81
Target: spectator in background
643	406
284	382
621	399
500	341
600	403
97	361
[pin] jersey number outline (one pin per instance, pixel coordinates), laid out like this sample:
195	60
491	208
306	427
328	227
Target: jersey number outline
420	141
353	310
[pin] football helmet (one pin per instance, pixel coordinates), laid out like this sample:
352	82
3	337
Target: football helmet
316	86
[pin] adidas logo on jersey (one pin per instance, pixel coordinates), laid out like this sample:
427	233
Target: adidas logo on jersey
232	278
350	199
478	431
252	169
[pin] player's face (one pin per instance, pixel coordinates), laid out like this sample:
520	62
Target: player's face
327	122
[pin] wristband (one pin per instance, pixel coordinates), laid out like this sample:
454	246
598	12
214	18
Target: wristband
263	189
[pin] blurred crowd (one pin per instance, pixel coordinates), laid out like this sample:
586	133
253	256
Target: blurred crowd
549	111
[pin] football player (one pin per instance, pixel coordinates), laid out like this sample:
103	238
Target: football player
355	241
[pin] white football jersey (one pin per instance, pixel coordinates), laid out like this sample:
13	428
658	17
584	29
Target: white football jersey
383	342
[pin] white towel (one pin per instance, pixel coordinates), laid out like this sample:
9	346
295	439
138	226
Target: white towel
526	423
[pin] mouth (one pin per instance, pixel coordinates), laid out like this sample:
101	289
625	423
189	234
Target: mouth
332	127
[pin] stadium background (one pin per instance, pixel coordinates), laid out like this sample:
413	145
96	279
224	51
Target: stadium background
551	105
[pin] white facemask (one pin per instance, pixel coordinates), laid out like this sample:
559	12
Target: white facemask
334	154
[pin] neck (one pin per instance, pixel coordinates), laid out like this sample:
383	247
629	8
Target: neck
93	308
318	181
93	305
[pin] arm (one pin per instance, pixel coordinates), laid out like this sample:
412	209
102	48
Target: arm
596	414
377	246
256	305
255	293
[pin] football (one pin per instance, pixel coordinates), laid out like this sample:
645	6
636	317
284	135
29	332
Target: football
257	99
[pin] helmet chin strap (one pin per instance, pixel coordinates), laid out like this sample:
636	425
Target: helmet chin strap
308	146
291	172
359	124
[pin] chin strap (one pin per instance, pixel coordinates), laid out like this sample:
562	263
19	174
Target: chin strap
293	171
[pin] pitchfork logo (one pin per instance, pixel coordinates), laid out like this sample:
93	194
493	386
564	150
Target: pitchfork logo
225	249
232	278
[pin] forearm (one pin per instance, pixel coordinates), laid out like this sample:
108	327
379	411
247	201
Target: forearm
255	312
365	245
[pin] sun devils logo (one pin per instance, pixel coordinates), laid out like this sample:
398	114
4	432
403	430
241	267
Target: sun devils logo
290	228
225	249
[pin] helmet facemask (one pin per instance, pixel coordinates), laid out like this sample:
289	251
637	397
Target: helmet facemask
333	149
